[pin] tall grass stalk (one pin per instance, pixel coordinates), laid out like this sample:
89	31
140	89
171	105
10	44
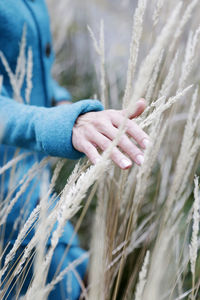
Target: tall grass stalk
134	48
194	241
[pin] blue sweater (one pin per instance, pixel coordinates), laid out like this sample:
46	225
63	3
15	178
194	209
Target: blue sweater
38	127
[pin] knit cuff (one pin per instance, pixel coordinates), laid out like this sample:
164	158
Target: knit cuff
54	127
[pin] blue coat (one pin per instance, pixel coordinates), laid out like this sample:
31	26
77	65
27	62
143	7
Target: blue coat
37	127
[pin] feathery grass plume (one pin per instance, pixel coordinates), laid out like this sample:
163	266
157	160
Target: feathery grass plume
50	286
189	57
100	50
145	171
157	10
95	43
139	189
191	165
162	256
134	48
13	162
149	62
195	231
153	80
163	107
142	179
29	74
178	251
13	172
165	170
29	223
56	173
39	278
103	73
141	235
70	202
142	278
13	80
54	215
21	57
34	214
98	246
183	296
31	174
188	152
38	282
17	78
185	18
189	137
24	211
21	181
129	187
169	80
50	222
21	61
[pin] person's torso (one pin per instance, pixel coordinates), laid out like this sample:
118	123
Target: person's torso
31	17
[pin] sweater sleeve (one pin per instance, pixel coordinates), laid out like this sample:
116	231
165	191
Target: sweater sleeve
60	93
47	130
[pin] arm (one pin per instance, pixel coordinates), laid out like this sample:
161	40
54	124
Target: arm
48	130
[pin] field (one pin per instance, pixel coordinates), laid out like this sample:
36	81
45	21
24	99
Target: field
140	226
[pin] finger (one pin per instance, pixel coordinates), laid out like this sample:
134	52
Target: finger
132	129
125	144
117	156
91	152
140	107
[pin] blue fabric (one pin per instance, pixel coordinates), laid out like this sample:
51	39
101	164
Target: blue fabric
60	93
47	130
37	128
68	288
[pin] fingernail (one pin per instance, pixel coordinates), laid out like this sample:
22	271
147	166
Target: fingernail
140	159
145	143
125	163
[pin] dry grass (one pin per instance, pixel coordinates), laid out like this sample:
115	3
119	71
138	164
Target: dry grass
143	241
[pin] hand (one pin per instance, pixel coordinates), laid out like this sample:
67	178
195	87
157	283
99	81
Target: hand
94	130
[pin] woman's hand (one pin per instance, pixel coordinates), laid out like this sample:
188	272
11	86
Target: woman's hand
97	129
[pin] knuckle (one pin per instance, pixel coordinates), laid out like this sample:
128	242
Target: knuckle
81	146
89	148
112	113
102	124
89	151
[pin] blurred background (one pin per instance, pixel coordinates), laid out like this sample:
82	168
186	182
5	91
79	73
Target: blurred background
76	64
